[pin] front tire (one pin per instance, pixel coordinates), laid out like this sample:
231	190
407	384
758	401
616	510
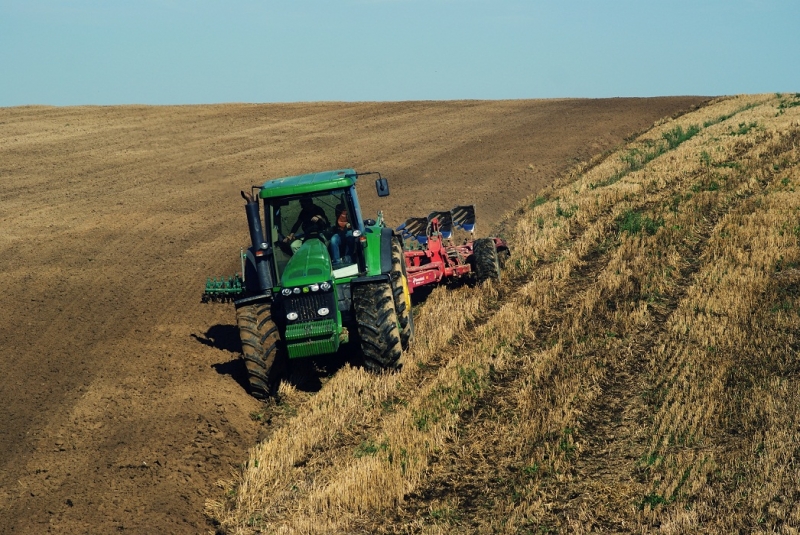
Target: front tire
377	326
262	349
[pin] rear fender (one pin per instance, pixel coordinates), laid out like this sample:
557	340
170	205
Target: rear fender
387	235
378	250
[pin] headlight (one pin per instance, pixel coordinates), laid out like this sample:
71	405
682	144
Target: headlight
356	233
322	311
314	287
291	316
325	286
286	292
297	290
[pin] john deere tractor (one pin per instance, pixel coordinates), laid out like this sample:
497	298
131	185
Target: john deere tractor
317	275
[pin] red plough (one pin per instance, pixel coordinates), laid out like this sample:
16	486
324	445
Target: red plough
431	256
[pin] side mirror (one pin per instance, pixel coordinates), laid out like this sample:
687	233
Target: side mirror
382	186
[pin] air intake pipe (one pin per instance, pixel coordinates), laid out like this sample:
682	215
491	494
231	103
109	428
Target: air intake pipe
253	220
260	252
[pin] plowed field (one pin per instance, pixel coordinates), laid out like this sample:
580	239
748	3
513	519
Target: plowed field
121	397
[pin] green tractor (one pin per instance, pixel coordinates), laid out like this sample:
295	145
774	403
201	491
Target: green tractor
317	275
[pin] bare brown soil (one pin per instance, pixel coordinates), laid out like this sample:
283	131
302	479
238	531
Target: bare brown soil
122	396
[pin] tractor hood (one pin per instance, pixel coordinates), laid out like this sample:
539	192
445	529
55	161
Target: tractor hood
310	264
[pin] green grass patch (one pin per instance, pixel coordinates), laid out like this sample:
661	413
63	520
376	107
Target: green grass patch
423	419
729	115
567	442
451	398
390	405
531	470
744	128
706	185
565	212
784	306
445	515
538	201
784	104
634	222
369	447
678	135
653	499
637	158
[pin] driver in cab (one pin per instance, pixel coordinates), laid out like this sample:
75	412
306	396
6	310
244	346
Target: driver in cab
311	218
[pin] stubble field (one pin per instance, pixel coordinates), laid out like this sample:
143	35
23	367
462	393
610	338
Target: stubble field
636	371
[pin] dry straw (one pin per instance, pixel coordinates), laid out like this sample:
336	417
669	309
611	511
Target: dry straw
637	371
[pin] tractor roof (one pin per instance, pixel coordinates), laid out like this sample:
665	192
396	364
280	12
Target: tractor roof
310	183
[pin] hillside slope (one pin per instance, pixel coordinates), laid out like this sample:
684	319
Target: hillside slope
636	371
122	403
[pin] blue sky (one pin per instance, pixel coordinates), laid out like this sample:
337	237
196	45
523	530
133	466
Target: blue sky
209	51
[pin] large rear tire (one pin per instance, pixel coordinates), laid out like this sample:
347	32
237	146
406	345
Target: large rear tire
377	326
402	296
486	261
262	349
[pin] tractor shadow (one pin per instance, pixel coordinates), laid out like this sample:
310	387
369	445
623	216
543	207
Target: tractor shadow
226	338
306	374
310	374
223	337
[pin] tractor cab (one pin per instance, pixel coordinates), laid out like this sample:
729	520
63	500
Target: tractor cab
315	233
312	224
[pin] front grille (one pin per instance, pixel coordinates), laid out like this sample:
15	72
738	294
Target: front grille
306	305
311	329
313	347
312	338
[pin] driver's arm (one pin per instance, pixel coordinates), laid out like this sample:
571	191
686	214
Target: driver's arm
320	216
294	228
